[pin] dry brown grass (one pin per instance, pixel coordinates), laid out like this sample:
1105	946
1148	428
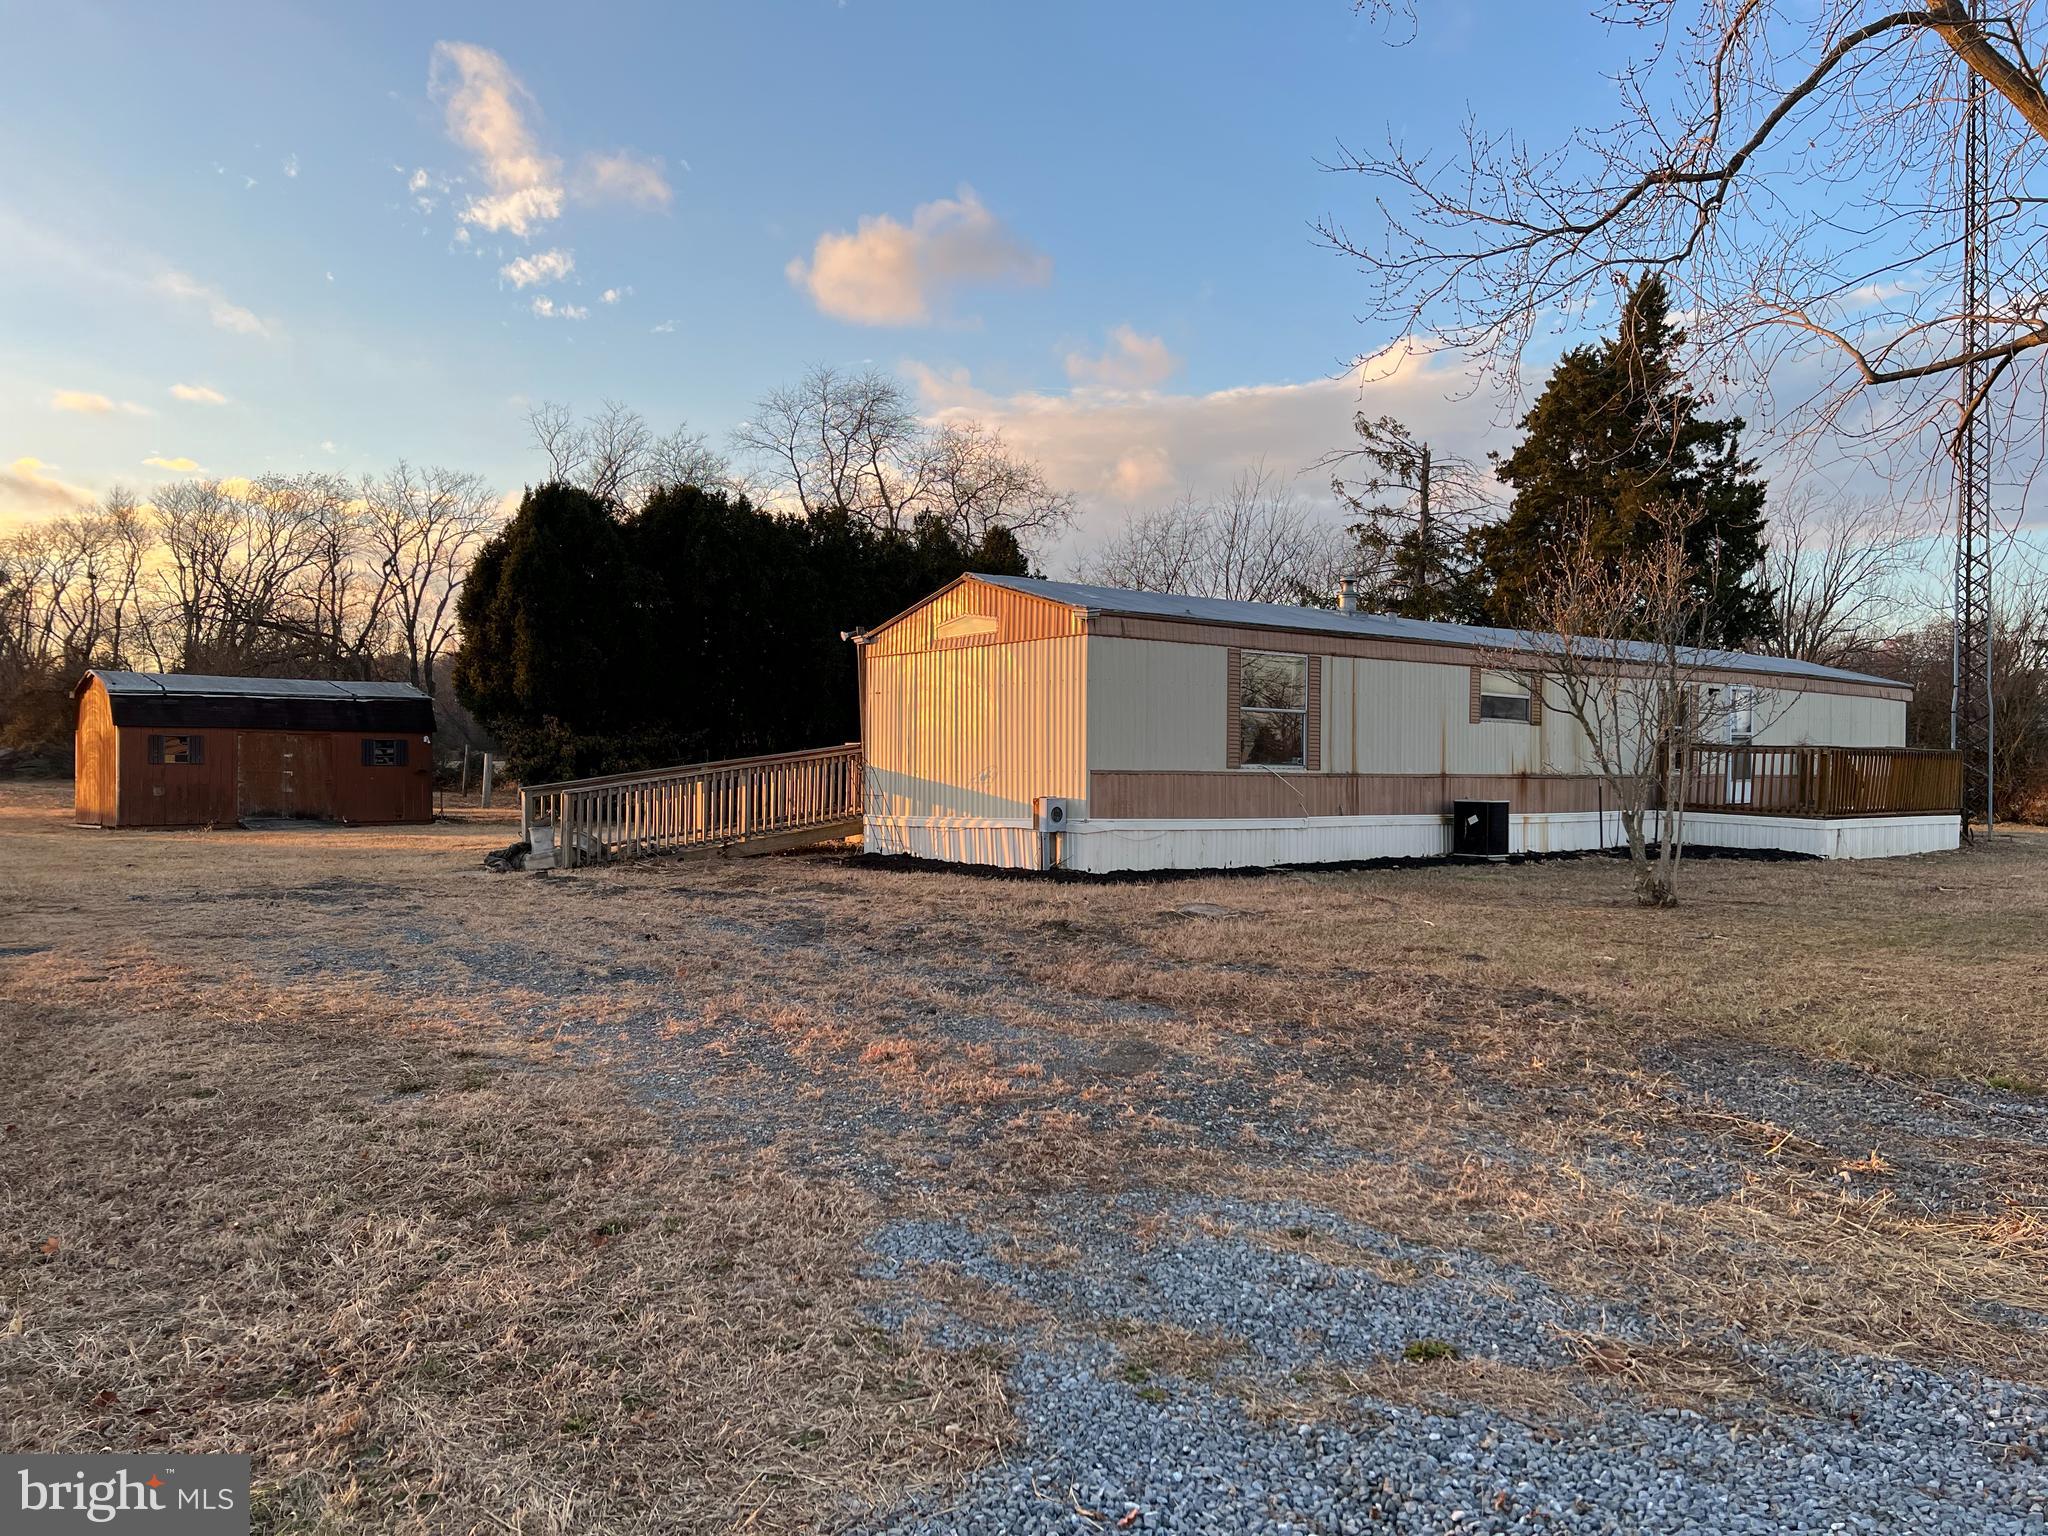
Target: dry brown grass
433	1277
1476	1036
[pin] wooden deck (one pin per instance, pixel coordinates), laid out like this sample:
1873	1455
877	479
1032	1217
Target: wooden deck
1824	782
738	805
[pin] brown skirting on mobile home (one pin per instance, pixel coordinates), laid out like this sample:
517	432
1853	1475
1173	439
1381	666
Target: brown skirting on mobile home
1247	794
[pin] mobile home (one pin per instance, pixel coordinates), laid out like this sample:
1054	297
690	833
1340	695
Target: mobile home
1022	723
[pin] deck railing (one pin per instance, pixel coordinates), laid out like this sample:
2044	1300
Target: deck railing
694	807
1824	781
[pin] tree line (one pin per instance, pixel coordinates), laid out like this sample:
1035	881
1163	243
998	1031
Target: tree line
301	575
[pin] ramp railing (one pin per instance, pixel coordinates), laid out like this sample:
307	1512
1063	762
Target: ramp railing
695	807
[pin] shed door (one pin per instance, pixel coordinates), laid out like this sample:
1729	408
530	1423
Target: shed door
279	773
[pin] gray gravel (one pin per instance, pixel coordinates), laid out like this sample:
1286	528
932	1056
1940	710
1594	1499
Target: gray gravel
1841	1445
1286	1308
1917	1454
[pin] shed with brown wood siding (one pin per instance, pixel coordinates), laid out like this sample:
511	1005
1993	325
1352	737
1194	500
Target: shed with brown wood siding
181	750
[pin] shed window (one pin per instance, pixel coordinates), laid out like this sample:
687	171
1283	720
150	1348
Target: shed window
384	752
1273	710
1504	706
177	749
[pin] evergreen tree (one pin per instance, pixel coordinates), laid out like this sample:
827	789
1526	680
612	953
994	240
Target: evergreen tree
699	626
1617	433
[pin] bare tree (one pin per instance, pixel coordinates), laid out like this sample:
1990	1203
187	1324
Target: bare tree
853	442
974	483
1256	543
613	453
1920	655
422	528
1833	570
1793	171
1616	643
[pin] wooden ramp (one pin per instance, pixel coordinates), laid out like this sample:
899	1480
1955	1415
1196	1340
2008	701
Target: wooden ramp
742	805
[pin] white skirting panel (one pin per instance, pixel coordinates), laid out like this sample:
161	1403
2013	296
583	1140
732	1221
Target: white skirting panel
1102	846
1842	837
957	840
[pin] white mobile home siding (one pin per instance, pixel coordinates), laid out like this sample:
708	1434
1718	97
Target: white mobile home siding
1155	704
1788	719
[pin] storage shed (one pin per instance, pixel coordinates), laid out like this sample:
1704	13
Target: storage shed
1017	722
171	750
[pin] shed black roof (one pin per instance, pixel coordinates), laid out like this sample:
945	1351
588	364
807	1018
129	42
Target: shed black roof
176	700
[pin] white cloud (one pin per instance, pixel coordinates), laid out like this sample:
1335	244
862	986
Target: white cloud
487	109
1124	451
85	402
666	328
613	295
639	181
327	445
491	114
889	273
291	165
548	309
181	465
223	312
198	394
540	267
26	486
1130	361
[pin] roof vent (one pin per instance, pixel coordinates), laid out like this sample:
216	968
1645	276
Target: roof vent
1347	594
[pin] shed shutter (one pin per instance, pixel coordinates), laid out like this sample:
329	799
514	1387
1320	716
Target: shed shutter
195	749
1233	747
156	751
369	752
402	745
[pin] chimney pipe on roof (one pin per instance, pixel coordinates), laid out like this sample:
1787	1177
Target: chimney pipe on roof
1347	594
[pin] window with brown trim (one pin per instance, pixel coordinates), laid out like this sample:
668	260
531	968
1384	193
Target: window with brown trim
1272	713
387	752
186	750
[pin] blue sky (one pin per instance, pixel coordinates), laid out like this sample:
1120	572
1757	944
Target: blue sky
1086	223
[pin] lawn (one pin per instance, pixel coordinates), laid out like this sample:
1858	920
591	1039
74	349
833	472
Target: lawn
812	1193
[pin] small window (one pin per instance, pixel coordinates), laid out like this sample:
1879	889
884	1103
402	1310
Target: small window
1273	710
190	750
1504	706
386	752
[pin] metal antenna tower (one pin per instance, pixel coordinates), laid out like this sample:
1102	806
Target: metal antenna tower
1971	725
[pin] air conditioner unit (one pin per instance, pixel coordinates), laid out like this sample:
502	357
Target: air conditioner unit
1049	815
1479	829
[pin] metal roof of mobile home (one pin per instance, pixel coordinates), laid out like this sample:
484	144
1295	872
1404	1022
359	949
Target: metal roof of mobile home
263	703
1382	626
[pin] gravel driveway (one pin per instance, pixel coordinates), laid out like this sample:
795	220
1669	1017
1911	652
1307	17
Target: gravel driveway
1068	1176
